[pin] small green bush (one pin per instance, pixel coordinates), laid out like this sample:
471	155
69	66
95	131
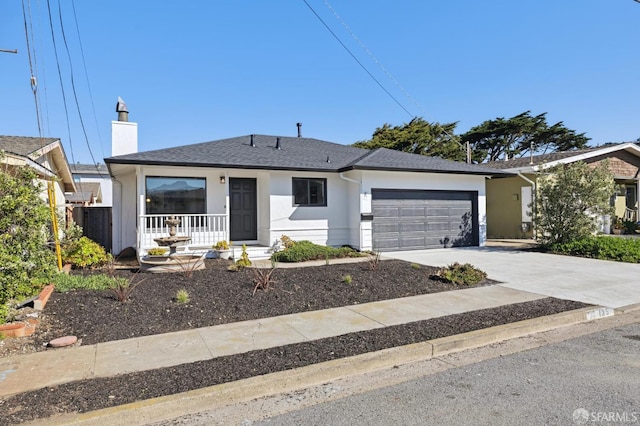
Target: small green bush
182	296
605	248
85	253
244	261
157	251
302	251
458	274
347	279
416	266
64	282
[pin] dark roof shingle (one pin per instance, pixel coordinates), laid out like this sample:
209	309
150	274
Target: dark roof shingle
24	145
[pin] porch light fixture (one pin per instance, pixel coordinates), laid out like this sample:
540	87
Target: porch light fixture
222	179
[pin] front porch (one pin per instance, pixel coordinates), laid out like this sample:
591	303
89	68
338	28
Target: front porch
205	230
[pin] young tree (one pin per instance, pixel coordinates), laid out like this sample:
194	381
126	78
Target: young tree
570	200
518	135
418	137
26	263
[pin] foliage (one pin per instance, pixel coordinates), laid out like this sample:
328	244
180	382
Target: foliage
347	279
64	282
418	137
516	136
244	261
461	274
304	250
374	260
262	278
122	288
629	226
182	296
601	247
188	266
287	242
157	251
222	245
416	266
26	263
85	253
570	199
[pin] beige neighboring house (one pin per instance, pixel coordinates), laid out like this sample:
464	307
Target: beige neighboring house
44	155
509	198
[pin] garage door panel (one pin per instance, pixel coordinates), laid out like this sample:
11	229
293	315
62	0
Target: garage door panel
405	220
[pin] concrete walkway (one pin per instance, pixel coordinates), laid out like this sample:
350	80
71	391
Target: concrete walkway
52	367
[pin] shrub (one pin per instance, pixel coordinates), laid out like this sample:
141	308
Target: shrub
222	245
244	261
122	288
306	250
287	242
64	282
374	260
182	296
458	274
347	279
416	266
605	248
26	263
262	278
157	251
85	253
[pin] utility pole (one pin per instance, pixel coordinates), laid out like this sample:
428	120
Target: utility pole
9	51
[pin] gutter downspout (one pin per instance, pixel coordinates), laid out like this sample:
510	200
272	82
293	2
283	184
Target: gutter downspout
533	201
348	179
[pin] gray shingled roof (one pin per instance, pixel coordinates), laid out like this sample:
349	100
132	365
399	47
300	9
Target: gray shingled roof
23	145
538	159
295	154
95	169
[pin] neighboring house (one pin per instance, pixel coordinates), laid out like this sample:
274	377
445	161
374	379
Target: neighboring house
253	189
93	180
89	194
508	199
44	155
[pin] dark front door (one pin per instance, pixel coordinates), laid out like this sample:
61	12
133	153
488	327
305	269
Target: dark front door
243	212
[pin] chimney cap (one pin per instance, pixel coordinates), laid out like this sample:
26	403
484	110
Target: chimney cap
121	106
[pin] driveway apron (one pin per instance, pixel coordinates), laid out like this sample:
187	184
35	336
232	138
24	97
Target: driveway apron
600	282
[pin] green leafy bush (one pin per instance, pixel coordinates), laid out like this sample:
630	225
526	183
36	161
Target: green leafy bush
244	261
85	253
461	274
64	282
302	251
26	263
606	248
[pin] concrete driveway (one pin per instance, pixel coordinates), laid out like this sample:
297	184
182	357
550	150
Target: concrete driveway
600	282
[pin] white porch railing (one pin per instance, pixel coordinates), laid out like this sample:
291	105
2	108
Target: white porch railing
204	229
630	214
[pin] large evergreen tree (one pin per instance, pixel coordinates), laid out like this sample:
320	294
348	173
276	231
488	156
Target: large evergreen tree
519	135
418	137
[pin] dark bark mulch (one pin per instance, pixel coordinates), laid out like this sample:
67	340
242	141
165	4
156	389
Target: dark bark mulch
219	296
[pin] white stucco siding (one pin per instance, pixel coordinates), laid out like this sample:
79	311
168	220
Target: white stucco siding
106	187
125	212
422	181
327	225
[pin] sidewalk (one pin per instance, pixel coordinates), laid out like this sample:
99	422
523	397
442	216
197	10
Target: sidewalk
23	373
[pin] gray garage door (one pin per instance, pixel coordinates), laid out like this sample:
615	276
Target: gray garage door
414	219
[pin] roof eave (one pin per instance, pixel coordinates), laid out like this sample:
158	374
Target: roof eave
458	172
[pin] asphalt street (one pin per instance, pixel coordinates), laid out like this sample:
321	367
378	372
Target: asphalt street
594	379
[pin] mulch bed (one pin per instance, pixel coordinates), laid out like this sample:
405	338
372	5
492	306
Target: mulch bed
219	296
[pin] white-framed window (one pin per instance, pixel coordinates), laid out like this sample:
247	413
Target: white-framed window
309	192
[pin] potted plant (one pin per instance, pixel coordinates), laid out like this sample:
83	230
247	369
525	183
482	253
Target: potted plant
618	226
223	249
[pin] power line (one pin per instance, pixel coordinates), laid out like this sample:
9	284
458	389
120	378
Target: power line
86	74
33	81
374	59
356	59
73	85
64	98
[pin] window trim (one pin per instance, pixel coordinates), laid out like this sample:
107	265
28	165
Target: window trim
308	179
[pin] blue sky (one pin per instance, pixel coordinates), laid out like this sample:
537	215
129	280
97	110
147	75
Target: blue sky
195	71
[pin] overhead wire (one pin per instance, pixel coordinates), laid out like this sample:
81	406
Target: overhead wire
374	59
84	64
33	80
73	85
64	97
344	46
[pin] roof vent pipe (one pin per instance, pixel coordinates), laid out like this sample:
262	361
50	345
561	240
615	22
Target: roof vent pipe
328	161
252	143
278	146
299	129
121	109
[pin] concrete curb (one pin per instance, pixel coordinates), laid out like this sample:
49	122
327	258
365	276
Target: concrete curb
171	406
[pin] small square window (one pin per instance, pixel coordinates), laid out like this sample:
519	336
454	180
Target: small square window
309	191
